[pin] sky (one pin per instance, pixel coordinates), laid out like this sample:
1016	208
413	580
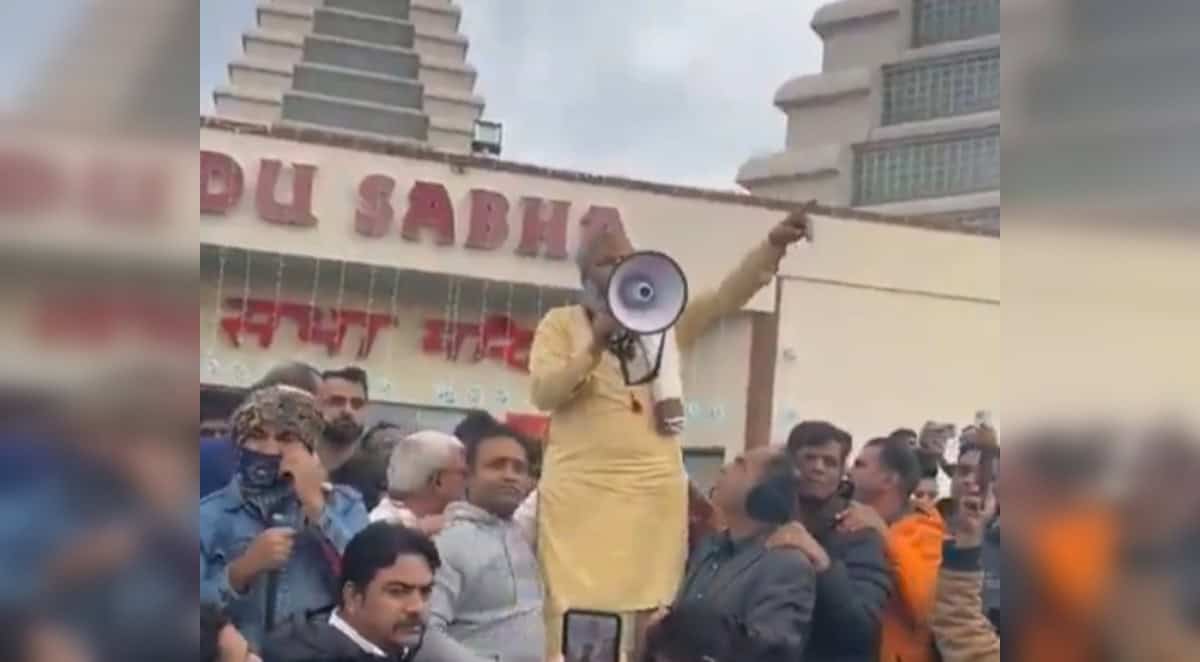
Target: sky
676	91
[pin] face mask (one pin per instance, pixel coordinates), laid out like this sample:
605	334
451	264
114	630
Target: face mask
258	471
343	431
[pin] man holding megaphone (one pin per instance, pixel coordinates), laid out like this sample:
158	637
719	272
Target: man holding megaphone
613	497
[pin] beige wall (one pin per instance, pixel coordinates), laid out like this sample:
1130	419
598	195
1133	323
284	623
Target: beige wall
884	326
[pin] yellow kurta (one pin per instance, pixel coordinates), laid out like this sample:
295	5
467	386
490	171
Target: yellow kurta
612	511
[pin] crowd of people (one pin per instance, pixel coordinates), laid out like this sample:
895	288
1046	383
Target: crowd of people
430	549
322	541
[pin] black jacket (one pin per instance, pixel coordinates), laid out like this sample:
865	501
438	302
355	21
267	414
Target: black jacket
317	641
851	595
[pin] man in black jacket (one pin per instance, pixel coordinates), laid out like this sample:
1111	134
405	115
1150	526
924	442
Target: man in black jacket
768	593
387	577
853	577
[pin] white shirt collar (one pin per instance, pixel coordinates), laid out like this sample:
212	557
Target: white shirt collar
342	626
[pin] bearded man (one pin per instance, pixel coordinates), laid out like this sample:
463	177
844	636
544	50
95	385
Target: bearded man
613	496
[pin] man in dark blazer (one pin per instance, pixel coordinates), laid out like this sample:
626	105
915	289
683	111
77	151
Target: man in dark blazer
767	594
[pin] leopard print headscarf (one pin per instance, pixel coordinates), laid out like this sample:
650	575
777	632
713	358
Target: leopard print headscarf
281	408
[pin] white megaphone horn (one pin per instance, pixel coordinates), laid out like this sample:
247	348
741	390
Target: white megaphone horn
646	294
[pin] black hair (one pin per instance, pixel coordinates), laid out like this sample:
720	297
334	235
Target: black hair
473	426
897	456
351	373
377	547
818	433
773	498
499	430
696	631
213	619
291	373
903	433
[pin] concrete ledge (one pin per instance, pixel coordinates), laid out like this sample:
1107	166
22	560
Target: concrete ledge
441	46
838	14
453	106
384	31
284	17
943	125
389	8
817	88
362	56
438	17
374	138
273	37
984	43
354	115
245	105
823	161
259	75
353	84
954	204
449	125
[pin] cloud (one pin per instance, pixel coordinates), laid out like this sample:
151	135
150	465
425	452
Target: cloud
677	91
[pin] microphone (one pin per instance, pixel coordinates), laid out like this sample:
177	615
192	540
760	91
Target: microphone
277	519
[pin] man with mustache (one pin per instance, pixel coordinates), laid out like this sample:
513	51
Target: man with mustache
383	604
488	593
342	399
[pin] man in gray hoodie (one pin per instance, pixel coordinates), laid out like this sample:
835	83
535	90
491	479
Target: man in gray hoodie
487	594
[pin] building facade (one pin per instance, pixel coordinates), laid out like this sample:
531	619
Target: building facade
384	69
904	117
431	270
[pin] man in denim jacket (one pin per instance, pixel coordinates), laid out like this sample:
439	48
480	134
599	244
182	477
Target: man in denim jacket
271	540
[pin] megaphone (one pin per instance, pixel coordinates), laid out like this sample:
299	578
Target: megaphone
646	294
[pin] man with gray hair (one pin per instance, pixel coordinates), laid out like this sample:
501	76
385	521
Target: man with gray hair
426	471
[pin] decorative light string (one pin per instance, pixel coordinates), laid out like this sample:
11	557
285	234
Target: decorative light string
278	290
312	299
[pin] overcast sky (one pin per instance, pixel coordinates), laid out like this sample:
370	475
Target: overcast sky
670	90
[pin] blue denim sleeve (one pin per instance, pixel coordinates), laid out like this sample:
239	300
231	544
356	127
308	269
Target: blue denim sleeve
344	516
214	567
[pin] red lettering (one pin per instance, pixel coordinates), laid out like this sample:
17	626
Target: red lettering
120	192
429	207
373	217
489	220
256	317
220	183
538	231
434	340
296	212
375	323
498	338
324	327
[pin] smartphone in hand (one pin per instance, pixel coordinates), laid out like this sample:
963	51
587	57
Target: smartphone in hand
591	636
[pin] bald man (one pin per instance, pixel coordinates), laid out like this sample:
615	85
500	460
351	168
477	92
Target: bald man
612	520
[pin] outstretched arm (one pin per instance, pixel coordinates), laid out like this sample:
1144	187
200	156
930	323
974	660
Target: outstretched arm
754	271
